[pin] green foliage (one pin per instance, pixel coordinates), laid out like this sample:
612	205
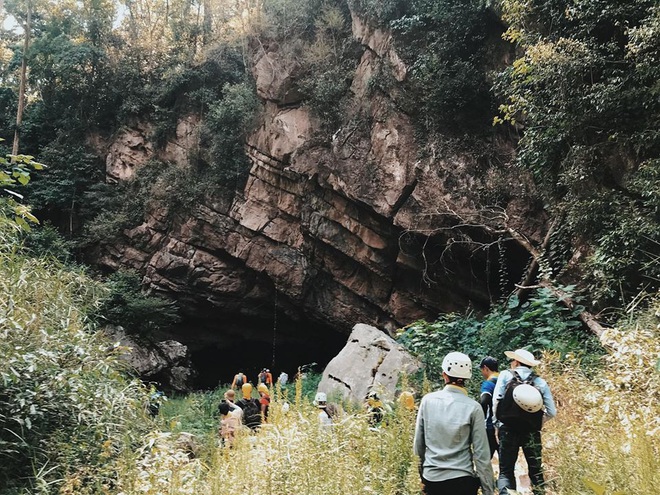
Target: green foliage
316	43
128	306
58	194
380	12
539	324
227	122
15	172
111	208
584	92
195	413
65	407
444	46
45	241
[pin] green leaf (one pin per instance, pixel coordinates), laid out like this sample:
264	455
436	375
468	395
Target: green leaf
595	487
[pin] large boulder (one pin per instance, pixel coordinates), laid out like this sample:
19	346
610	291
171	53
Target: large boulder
371	359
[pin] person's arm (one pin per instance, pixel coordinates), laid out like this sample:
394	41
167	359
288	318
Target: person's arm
500	388
419	445
486	400
481	453
548	402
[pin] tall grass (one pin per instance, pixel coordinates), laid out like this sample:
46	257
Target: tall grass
607	432
291	454
66	409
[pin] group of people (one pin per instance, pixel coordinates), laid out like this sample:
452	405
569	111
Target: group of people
249	411
456	436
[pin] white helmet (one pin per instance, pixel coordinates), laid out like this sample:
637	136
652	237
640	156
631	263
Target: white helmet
528	398
320	399
457	365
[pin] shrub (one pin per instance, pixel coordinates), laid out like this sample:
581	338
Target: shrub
541	323
128	306
66	410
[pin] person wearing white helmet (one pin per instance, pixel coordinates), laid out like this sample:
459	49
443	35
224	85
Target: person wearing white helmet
321	402
450	437
533	397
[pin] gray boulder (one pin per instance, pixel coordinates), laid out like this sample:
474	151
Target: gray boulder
166	362
371	359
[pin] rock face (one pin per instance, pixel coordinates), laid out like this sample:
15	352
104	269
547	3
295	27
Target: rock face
370	360
166	362
357	227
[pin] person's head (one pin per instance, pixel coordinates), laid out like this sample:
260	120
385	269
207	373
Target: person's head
230	395
246	389
223	408
456	368
321	400
488	366
407	400
521	357
262	388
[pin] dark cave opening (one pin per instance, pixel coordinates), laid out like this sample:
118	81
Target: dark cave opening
221	347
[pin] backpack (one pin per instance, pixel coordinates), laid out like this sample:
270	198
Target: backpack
251	412
511	414
239	379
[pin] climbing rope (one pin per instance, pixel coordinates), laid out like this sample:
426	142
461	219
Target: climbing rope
272	366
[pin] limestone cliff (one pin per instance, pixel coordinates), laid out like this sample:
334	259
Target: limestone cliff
358	227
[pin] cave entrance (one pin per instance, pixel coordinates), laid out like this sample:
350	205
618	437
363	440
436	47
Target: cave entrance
224	346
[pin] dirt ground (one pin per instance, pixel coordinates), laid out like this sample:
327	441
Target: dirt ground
522	480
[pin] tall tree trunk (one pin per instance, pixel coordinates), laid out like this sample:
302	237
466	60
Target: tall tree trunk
21	88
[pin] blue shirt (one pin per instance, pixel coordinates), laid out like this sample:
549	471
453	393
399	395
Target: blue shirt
487	387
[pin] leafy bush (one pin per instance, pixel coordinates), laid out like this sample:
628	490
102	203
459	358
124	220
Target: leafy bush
66	410
226	124
444	46
584	93
539	324
136	311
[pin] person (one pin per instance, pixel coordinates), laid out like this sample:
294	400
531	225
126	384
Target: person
266	377
374	408
489	370
283	379
231	417
251	408
515	434
239	379
407	400
264	400
321	402
155	400
450	438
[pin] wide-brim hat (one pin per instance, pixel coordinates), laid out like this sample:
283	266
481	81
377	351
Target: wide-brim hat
522	356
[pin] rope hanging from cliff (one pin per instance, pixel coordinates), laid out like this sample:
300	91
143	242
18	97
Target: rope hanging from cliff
272	365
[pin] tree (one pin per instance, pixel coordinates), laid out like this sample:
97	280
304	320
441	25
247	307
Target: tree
583	96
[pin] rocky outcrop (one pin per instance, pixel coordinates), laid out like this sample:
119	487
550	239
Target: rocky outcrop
165	362
370	360
355	227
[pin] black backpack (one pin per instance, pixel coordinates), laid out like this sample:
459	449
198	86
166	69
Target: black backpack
511	414
251	412
239	379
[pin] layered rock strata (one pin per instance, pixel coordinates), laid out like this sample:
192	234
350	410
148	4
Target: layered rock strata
352	228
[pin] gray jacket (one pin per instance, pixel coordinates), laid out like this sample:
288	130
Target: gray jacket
451	440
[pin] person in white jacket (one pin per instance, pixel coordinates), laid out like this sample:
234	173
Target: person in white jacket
515	433
450	436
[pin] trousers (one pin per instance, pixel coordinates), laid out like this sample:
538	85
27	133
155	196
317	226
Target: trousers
465	485
510	443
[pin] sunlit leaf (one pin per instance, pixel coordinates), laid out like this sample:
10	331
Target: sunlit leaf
595	487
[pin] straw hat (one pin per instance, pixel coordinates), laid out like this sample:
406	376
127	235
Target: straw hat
522	356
